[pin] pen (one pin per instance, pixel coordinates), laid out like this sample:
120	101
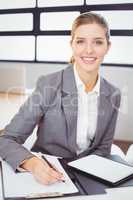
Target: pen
50	165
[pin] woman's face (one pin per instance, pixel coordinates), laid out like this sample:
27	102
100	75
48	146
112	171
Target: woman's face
89	46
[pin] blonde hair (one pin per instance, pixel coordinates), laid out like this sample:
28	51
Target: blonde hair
89	18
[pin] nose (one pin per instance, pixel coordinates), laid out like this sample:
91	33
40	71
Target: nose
89	48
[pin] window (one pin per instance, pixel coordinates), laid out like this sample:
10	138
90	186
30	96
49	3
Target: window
55	20
59	46
17	48
95	2
118	51
51	3
8	4
16	22
39	30
118	19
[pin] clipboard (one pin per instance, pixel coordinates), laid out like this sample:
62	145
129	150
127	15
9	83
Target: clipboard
68	188
103	169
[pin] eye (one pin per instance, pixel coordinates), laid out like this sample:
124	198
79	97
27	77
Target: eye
99	42
80	41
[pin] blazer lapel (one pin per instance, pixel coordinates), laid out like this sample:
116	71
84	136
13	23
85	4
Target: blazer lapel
104	108
69	106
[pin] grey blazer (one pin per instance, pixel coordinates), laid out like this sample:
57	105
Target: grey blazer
53	107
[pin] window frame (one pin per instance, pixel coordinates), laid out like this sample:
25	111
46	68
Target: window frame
36	11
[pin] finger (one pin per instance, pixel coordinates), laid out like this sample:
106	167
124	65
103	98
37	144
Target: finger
45	179
53	171
55	174
56	169
46	174
53	166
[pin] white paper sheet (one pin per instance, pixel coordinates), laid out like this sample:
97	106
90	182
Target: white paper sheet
24	184
103	168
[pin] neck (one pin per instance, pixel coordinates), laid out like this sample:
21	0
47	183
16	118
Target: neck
88	78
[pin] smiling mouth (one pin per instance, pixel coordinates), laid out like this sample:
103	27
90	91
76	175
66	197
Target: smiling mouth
88	60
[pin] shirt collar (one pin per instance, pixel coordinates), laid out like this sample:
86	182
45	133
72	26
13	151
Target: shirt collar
80	84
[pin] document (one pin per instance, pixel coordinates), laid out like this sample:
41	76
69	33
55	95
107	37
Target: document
127	157
24	185
103	168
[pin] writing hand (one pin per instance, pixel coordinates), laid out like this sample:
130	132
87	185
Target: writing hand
41	170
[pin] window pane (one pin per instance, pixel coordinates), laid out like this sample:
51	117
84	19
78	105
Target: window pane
59	18
51	3
17	47
53	48
118	19
16	22
94	2
118	51
7	4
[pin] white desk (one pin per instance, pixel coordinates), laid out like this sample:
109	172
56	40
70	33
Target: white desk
9	105
112	194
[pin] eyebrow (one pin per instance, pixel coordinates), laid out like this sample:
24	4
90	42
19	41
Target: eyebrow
101	38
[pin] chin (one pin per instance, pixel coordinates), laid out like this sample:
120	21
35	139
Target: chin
89	68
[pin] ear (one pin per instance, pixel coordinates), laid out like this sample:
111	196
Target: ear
109	45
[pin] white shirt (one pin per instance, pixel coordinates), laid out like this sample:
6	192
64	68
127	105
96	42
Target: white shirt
87	113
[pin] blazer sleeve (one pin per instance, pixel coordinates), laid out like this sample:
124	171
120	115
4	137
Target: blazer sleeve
104	147
21	126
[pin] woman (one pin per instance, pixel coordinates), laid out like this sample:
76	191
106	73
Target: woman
75	109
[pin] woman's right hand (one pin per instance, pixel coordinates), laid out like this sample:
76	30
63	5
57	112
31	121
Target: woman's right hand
41	171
